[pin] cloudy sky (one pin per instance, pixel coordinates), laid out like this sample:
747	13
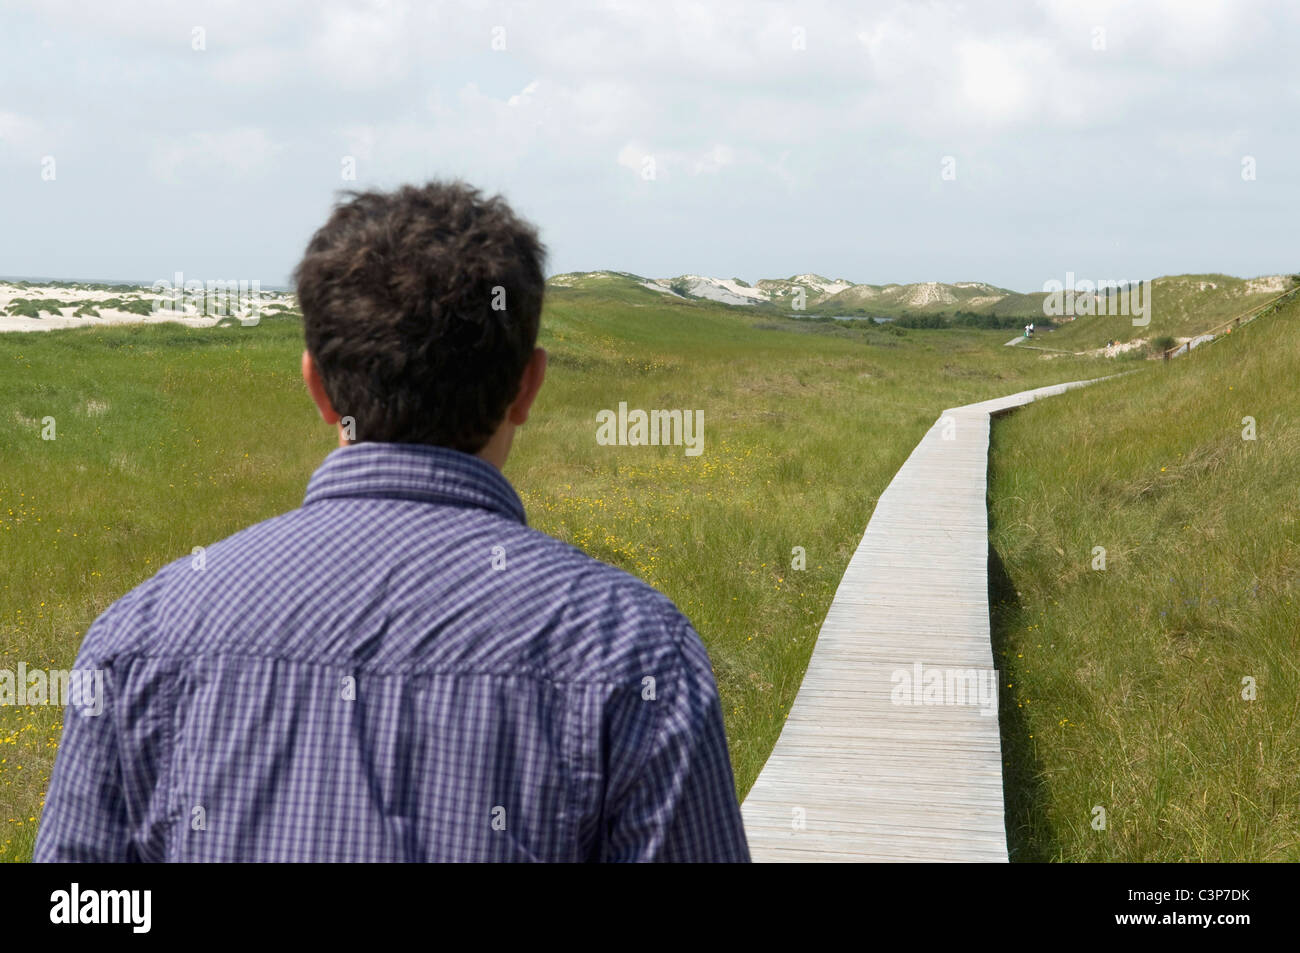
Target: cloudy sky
878	142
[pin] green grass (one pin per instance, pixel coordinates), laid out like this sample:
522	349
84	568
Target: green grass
35	307
39	307
1123	687
137	305
170	437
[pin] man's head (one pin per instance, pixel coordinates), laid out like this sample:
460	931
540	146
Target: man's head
421	308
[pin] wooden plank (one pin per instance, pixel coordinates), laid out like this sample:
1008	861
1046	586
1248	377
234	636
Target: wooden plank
866	768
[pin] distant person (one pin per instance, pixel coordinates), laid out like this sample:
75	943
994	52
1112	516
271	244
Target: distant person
401	669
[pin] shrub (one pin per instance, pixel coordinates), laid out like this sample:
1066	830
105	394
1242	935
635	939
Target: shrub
32	307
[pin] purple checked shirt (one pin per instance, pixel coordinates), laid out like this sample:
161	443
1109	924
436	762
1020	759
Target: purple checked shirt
399	670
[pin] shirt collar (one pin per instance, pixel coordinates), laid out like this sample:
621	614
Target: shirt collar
413	471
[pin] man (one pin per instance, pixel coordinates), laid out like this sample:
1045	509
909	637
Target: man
401	670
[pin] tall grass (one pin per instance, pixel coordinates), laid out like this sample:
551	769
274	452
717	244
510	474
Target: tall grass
1124	687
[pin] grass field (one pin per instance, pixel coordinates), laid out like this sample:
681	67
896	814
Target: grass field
1123	688
170	437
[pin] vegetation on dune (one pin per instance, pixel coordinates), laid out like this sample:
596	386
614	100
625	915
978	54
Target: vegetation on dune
36	307
141	306
680	286
130	299
1163	343
1123	687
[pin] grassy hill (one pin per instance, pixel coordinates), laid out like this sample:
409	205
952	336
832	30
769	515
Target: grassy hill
1016	305
1123	687
930	297
610	282
1181	306
815	288
171	437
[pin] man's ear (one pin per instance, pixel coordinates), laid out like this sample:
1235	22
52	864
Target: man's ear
316	387
529	384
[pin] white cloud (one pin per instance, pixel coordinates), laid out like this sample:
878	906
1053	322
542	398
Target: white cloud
523	94
243	151
995	81
363	46
18	132
360	142
712	160
709	161
633	156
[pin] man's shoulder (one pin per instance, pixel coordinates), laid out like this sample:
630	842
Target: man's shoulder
130	623
615	623
570	615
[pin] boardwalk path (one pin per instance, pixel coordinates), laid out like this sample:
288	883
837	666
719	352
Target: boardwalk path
869	779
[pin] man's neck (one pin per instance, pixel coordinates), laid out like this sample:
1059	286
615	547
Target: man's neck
495	451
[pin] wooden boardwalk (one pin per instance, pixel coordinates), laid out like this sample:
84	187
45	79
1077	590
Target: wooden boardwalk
856	774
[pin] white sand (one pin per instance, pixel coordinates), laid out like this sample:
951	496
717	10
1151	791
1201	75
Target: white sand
75	297
1269	284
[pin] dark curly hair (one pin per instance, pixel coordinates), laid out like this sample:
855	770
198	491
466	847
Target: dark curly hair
421	308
